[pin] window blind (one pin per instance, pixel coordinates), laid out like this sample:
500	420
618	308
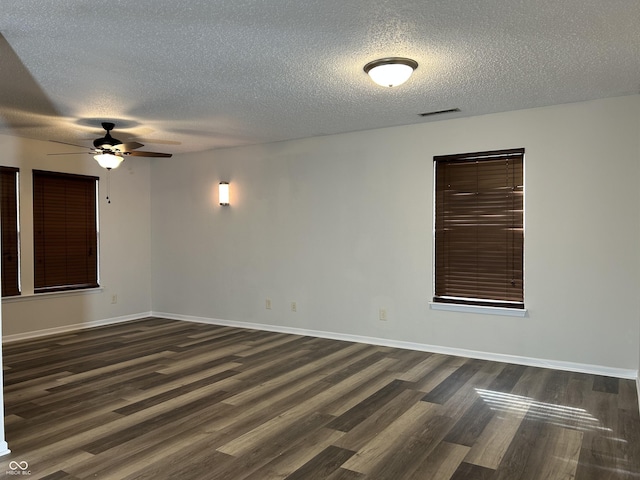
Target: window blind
479	228
9	225
65	231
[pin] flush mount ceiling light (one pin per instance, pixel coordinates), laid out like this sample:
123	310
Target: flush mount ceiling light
392	71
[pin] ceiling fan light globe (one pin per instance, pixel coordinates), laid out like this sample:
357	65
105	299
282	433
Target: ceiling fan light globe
108	161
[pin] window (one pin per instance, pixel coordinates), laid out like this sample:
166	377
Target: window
479	228
10	227
65	231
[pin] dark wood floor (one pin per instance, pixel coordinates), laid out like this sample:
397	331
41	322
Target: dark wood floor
161	399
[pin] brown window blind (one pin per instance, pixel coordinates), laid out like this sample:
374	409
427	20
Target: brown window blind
10	242
479	229
65	231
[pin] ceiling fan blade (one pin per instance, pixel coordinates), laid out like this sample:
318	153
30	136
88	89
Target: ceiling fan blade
125	147
161	142
149	154
66	143
70	153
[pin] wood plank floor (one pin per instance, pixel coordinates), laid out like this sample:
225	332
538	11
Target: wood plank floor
162	399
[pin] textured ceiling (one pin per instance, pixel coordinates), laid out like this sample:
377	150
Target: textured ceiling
190	75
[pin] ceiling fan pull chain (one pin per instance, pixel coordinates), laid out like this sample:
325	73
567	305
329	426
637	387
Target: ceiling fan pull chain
108	185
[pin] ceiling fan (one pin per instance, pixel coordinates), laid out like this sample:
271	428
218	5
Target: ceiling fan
109	152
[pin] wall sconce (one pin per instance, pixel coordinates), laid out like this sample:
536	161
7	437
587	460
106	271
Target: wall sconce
223	193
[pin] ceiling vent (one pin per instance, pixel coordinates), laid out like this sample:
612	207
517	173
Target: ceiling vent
439	112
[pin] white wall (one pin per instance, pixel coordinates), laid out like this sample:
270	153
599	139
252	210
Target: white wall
125	230
343	226
4	447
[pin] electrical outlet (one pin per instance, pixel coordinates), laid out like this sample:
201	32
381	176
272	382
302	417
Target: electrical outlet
114	298
267	304
382	314
294	307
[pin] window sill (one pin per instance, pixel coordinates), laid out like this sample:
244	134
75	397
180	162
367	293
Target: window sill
40	296
455	307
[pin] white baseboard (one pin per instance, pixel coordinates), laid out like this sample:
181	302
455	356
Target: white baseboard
459	352
638	389
70	328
